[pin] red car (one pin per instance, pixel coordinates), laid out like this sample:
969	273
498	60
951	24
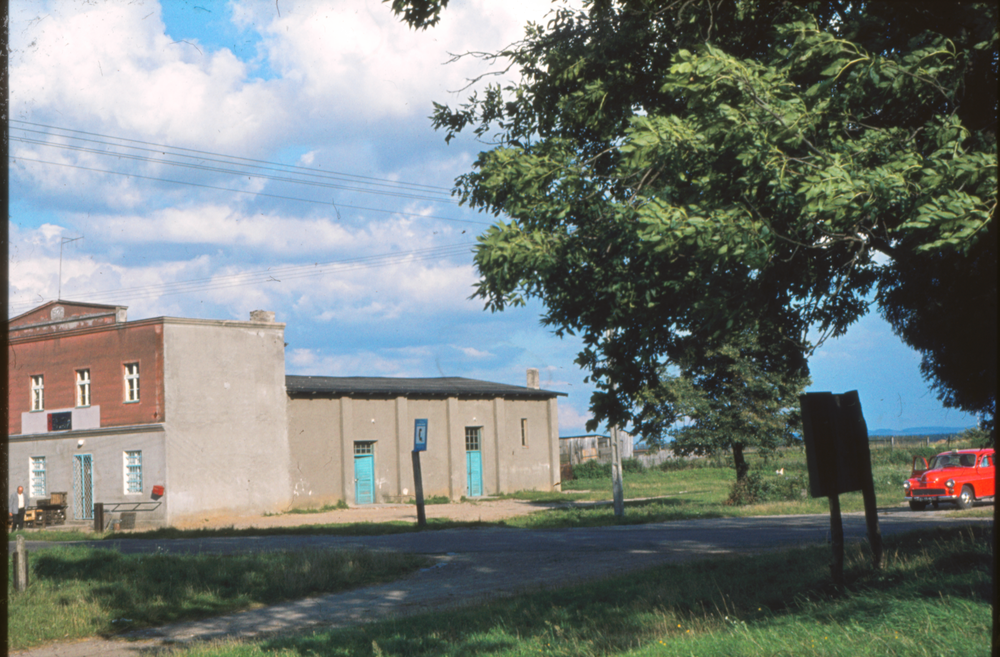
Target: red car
960	476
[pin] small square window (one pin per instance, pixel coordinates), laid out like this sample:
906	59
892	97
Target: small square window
38	392
131	382
83	387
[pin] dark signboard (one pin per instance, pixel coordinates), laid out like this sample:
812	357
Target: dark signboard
836	439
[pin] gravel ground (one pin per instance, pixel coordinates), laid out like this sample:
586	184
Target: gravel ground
481	510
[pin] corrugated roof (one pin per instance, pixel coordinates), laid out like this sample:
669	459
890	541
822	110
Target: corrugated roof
448	386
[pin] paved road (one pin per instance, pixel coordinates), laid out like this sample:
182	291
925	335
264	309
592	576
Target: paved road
471	565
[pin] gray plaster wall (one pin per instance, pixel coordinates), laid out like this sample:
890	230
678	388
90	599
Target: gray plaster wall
323	431
107	451
227	442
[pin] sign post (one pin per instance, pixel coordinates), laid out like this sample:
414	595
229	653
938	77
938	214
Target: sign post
839	461
419	445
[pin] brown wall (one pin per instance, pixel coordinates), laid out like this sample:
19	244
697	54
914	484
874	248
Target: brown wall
103	351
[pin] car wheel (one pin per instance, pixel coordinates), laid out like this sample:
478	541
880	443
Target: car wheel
936	504
966	498
917	506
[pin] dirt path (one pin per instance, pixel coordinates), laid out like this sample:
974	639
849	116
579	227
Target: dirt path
480	510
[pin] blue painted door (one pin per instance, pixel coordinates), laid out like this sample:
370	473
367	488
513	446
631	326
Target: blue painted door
474	461
364	473
474	468
83	486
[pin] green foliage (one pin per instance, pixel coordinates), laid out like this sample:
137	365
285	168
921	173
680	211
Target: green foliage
758	487
676	175
592	470
632	466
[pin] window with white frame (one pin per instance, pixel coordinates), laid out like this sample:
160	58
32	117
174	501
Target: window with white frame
83	387
131	382
36	478
37	392
133	471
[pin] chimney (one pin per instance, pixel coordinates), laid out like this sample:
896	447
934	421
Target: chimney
533	378
262	316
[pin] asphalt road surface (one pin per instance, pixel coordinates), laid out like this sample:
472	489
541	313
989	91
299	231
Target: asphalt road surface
474	565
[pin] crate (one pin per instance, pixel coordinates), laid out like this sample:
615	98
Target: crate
58	498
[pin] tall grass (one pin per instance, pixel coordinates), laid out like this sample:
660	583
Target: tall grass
77	592
931	598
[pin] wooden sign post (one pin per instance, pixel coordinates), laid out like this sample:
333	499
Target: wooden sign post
419	445
839	461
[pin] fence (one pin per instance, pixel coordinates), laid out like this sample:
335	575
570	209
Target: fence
904	442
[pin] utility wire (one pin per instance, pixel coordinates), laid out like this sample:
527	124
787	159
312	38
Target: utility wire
241	191
213	169
234	159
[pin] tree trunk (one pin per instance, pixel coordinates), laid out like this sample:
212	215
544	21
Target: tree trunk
741	465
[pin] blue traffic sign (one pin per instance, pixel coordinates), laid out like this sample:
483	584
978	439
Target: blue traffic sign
420	435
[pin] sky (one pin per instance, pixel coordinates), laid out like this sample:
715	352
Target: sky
205	159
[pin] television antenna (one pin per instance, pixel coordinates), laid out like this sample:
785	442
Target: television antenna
63	242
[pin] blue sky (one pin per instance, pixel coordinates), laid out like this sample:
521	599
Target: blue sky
369	263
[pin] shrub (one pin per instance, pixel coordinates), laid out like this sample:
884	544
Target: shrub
592	470
633	466
758	487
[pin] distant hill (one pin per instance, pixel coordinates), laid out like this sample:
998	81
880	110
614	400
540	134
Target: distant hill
917	431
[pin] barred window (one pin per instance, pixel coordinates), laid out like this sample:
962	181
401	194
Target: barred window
36	479
361	449
133	471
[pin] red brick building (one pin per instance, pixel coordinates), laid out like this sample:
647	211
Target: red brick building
103	409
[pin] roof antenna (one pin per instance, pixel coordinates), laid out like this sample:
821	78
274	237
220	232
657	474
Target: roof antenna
62	242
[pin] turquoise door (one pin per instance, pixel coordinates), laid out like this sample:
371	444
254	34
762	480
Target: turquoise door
83	486
364	473
474	461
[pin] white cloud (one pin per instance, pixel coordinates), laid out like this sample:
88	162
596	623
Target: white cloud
571	421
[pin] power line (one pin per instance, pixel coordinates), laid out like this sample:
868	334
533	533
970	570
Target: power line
242	191
234	172
234	159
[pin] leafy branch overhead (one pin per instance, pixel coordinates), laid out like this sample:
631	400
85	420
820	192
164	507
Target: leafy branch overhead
671	175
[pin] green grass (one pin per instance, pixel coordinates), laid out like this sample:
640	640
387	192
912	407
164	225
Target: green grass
931	598
77	592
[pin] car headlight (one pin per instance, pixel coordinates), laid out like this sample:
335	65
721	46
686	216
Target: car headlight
906	485
950	483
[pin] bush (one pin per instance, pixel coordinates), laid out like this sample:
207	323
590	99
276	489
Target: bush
758	487
592	470
633	466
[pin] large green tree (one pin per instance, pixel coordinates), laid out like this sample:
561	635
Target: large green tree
667	175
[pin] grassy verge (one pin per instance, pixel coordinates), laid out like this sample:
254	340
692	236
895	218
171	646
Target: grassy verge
77	592
931	598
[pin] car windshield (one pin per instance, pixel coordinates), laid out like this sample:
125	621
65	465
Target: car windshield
953	461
